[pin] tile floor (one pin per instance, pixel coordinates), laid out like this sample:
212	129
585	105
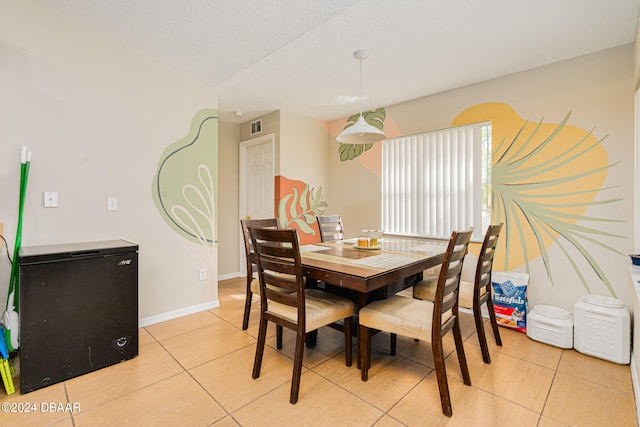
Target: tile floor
196	371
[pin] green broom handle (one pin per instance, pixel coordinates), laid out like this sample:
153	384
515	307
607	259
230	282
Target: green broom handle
23	197
25	160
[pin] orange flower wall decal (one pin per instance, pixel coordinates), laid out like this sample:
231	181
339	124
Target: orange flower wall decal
298	206
544	178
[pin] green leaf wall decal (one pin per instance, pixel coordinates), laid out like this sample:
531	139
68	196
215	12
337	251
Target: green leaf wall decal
351	151
303	208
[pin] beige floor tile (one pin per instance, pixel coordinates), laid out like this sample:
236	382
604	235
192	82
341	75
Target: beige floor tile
596	370
67	422
523	383
330	342
550	422
471	407
576	401
467	325
228	378
519	345
32	409
417	351
254	322
145	338
178	400
387	421
321	403
231	306
227	421
93	389
390	377
238	283
235	290
525	378
205	344
171	328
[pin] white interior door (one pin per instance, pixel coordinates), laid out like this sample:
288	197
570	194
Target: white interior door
257	194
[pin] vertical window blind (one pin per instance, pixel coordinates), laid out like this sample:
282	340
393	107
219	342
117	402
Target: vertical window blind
432	183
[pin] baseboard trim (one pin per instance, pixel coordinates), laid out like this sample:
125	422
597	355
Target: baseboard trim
228	276
147	321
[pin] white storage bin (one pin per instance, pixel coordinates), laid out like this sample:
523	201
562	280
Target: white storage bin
602	328
550	325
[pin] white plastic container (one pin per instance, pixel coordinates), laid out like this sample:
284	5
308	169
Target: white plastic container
602	328
550	325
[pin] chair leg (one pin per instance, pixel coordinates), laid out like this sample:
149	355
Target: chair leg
364	352
482	338
348	344
262	336
279	337
297	367
494	322
441	375
247	306
462	360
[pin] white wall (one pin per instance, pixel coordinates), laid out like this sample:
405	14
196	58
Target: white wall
598	90
97	118
304	149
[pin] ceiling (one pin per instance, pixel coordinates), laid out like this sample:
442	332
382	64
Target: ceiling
297	55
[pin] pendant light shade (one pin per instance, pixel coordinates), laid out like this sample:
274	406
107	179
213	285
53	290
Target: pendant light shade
361	132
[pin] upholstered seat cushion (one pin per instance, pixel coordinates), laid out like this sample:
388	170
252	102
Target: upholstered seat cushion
402	316
322	308
426	290
255	284
465	297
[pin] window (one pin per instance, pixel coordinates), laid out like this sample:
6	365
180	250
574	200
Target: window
437	182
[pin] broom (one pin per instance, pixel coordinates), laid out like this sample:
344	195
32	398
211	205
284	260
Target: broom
5	370
10	317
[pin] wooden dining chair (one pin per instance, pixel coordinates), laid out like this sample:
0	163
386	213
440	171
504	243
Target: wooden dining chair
253	284
331	228
474	295
423	320
285	301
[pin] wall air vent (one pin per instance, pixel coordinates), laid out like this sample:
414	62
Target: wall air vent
256	127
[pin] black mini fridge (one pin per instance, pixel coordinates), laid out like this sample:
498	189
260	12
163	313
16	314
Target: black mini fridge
78	309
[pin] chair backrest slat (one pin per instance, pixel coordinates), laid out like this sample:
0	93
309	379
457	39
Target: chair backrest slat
485	260
330	227
248	246
279	267
446	297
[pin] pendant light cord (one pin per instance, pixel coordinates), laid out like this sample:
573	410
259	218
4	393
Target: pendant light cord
360	59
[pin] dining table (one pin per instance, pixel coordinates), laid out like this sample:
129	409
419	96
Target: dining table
370	273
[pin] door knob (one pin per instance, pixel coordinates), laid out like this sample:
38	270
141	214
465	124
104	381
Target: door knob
248	217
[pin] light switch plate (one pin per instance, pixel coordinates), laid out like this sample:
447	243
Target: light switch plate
112	203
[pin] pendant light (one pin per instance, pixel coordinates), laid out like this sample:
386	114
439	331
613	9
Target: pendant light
361	132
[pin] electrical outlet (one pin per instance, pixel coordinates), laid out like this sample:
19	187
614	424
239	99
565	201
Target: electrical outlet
202	274
50	199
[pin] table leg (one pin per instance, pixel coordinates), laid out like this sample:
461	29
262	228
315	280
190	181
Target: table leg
311	339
